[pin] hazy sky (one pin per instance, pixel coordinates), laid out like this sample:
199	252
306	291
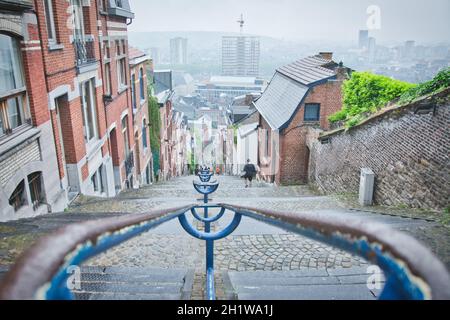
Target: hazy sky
421	20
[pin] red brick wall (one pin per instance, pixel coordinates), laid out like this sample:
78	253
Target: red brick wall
294	153
72	131
142	156
291	166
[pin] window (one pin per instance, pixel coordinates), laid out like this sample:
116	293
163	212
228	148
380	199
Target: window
100	176
18	197
118	48
108	89
119	3
35	185
106	50
97	180
13	99
125	136
49	19
104	5
144	134
312	112
124	48
267	140
122	73
89	110
141	83
133	91
78	19
94	181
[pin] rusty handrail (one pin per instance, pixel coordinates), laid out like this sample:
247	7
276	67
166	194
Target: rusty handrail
412	270
39	264
375	242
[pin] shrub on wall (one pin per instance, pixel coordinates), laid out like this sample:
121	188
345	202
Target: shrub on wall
441	81
366	93
155	123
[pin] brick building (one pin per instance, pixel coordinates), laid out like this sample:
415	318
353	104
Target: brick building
301	95
69	121
163	85
112	19
73	77
139	63
29	183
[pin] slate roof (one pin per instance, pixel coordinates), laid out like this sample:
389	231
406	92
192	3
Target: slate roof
289	87
163	81
309	70
280	100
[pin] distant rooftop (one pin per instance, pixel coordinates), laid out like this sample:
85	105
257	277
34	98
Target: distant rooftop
290	85
240	80
309	70
136	56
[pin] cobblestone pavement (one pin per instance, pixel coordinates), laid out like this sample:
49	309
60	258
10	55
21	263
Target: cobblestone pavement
253	246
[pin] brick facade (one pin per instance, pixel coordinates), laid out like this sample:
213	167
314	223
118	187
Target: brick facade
28	149
139	63
286	160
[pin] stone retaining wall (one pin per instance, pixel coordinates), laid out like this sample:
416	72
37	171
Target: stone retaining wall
408	151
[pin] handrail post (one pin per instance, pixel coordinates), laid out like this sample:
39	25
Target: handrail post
210	290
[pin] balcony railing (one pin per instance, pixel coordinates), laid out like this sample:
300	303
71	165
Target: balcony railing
17	5
43	272
85	53
129	164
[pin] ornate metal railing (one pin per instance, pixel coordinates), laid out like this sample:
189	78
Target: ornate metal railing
411	270
85	52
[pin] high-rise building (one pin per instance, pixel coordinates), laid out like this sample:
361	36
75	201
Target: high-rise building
408	50
372	49
364	39
240	56
155	55
178	51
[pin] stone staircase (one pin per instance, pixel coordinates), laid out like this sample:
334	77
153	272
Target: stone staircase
120	283
319	284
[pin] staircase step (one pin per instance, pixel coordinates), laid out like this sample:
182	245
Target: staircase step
316	284
124	283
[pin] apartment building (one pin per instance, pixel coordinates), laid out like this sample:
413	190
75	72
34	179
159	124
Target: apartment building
139	65
29	183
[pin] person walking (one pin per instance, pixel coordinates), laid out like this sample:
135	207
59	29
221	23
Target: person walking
249	173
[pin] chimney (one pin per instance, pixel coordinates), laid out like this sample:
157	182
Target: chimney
327	55
342	73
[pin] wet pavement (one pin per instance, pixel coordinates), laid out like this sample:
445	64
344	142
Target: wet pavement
253	247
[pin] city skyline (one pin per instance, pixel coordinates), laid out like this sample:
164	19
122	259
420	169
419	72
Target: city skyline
292	20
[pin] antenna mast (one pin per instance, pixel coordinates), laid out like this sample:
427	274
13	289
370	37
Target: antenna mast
241	23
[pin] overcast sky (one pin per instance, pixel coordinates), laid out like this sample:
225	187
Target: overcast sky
420	20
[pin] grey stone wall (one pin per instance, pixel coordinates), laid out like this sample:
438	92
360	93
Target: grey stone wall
17	160
408	152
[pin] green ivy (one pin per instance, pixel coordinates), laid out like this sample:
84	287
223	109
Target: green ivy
441	81
155	124
366	93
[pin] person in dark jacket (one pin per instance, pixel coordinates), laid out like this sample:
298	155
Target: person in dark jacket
249	173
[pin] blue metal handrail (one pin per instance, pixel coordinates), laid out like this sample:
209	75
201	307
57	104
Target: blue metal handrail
412	271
